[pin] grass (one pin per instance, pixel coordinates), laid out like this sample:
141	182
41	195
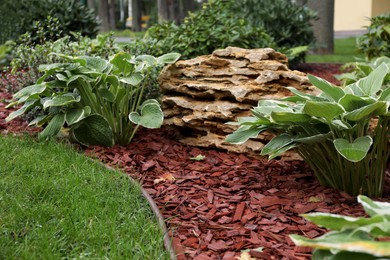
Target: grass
55	203
128	33
344	51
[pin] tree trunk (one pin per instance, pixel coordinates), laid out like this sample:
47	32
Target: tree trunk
92	4
104	16
136	15
111	14
323	27
162	10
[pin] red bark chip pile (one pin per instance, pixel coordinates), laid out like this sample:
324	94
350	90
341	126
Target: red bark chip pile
223	204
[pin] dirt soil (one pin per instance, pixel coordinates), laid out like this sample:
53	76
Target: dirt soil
224	203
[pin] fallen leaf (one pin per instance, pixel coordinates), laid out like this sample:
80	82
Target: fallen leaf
199	157
245	256
165	177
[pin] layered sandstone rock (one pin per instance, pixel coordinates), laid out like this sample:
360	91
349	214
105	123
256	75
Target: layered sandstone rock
202	94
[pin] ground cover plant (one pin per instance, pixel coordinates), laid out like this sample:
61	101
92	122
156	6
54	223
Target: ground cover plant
101	101
351	238
335	132
55	204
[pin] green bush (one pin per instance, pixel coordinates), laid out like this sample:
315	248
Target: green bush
342	133
351	238
214	26
24	16
100	101
376	42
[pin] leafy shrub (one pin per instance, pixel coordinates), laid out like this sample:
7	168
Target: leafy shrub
351	238
342	133
23	16
376	42
214	26
100	100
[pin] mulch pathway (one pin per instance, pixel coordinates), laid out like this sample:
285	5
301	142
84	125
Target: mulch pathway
224	203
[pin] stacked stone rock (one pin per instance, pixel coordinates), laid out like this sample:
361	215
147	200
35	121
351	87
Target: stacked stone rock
202	94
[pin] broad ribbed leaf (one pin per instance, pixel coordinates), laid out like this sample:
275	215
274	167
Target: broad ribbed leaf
26	107
53	127
289	117
30	90
371	84
95	63
351	102
375	109
82	77
151	116
355	151
338	222
325	110
333	92
168	58
306	96
313	138
283	149
134	79
147	59
93	130
75	115
106	94
120	61
244	133
374	208
61	100
341	255
343	241
385	95
276	144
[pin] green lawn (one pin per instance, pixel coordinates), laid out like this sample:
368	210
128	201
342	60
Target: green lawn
56	203
344	51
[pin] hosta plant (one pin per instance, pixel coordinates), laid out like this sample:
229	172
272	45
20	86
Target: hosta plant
98	100
342	133
351	238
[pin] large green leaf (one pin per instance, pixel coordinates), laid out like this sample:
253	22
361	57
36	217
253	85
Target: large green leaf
351	102
29	91
344	241
147	59
333	92
312	139
327	110
26	107
374	208
94	63
289	117
134	79
242	134
120	60
93	130
342	255
150	116
371	84
61	100
306	96
106	94
76	115
385	95
354	151
339	222
53	127
168	58
375	109
278	142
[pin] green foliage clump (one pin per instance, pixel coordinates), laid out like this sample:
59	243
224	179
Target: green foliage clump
101	101
220	23
351	238
342	133
214	26
59	17
376	42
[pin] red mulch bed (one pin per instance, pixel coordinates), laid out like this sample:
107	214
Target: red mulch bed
225	203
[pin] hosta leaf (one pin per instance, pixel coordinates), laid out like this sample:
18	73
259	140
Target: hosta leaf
374	208
39	121
168	58
306	96
120	60
147	59
313	138
26	107
355	151
106	94
351	102
289	117
93	130
385	95
134	79
381	229
371	84
338	222
276	144
283	149
378	108
151	116
343	241
53	127
94	63
30	90
75	115
342	255
82	77
333	92
244	133
325	110
61	100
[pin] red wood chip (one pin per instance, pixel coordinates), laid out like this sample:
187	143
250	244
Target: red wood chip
239	211
218	245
